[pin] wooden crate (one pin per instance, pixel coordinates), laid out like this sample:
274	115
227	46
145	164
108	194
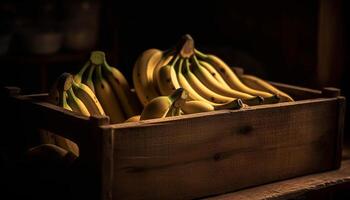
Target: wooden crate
199	155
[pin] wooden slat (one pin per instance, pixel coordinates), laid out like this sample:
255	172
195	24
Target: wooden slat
293	188
55	119
340	134
212	154
297	92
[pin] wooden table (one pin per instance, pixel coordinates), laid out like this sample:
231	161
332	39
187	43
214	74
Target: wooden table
328	185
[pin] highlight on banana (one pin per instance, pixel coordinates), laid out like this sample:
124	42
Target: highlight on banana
178	81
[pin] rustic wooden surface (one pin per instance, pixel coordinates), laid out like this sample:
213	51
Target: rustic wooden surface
210	153
292	188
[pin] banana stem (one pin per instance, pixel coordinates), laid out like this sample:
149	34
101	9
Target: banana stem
200	54
79	75
178	94
97	57
99	72
186	46
174	60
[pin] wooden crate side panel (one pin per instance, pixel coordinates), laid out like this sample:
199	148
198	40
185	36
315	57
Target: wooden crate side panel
65	123
209	155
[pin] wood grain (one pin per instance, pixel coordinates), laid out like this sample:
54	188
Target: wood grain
198	155
212	154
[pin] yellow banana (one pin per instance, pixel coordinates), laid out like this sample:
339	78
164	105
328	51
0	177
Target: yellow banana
214	73
58	96
143	75
159	107
201	89
193	95
135	118
165	60
121	88
209	81
87	96
76	104
260	84
63	101
166	78
190	107
230	77
107	98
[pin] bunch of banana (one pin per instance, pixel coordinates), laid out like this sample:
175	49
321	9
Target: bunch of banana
110	88
62	94
211	84
165	106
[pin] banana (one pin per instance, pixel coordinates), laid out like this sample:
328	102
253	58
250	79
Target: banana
231	79
166	78
167	57
214	73
202	90
87	96
193	95
135	118
143	75
107	98
209	81
260	84
122	90
160	107
190	107
62	83
76	104
58	96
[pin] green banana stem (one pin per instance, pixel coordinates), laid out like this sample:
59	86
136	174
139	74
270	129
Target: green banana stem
79	75
179	93
200	54
89	80
97	57
174	60
99	73
187	66
195	60
179	68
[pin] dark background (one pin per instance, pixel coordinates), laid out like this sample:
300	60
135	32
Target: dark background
304	43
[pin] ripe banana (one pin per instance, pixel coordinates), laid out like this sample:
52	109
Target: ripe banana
87	96
230	77
143	75
76	104
167	57
201	89
107	98
135	118
58	96
190	107
209	81
214	73
166	77
260	84
121	89
162	106
193	95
